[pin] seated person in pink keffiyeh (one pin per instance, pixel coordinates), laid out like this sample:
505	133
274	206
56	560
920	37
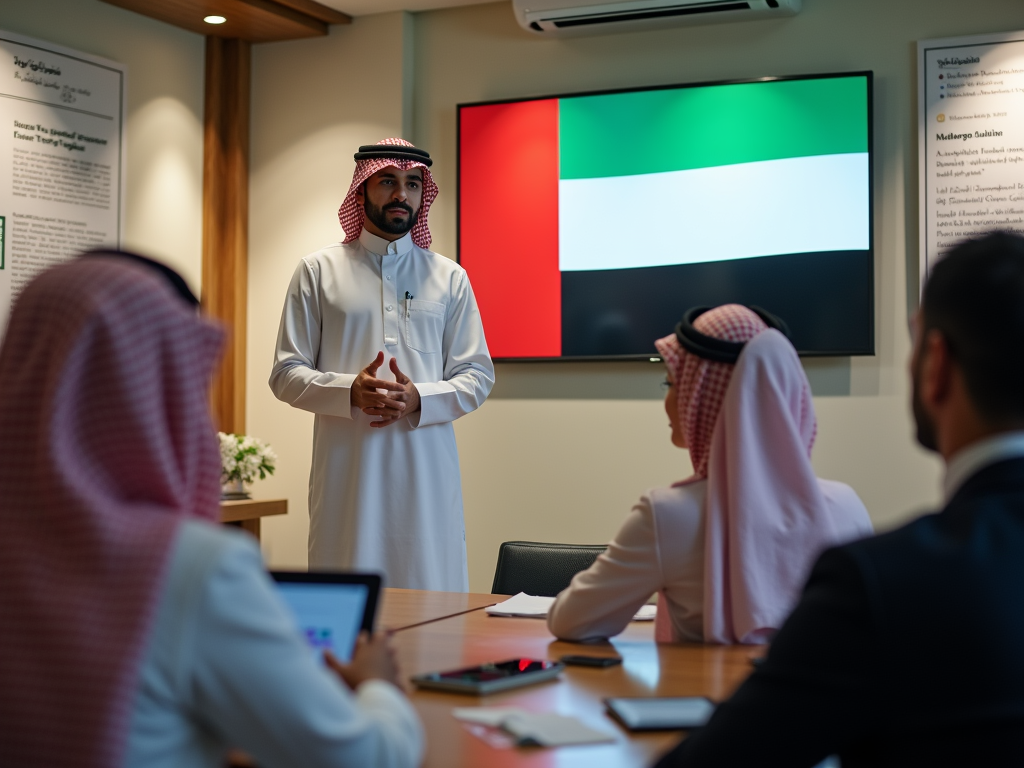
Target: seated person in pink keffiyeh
134	630
729	548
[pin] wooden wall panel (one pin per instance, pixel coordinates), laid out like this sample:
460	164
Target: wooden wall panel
226	216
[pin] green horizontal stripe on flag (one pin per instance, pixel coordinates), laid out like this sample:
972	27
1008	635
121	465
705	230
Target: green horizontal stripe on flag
623	134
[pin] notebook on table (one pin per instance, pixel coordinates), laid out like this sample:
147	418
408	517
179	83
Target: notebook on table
330	609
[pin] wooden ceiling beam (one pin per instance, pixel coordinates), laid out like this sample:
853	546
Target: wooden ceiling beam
271	7
317	11
256	21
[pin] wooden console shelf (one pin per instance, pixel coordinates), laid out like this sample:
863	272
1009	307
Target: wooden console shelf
246	513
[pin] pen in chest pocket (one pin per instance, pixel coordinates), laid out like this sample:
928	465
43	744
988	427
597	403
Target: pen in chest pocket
408	298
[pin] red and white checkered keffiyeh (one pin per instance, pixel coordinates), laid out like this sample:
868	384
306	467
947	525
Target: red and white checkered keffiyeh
351	214
700	383
106	443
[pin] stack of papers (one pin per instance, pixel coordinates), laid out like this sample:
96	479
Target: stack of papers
540	729
534	607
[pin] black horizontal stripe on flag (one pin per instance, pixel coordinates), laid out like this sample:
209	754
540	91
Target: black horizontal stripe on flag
825	297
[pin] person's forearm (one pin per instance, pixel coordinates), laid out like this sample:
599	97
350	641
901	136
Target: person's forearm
595	605
311	390
603	599
444	401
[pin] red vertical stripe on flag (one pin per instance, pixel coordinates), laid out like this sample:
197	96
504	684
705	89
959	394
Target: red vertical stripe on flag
508	224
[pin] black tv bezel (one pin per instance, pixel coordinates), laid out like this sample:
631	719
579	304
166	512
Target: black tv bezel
653	357
373	582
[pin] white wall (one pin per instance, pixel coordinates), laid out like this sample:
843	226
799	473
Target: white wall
163	208
560	451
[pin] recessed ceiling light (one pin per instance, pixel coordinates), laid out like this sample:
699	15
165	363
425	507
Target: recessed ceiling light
214	19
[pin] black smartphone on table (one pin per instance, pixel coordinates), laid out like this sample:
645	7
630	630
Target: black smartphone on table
580	660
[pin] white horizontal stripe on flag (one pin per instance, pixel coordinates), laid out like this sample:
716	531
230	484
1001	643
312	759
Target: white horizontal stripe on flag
796	205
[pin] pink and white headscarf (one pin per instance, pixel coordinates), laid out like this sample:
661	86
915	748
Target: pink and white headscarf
106	443
351	214
751	427
766	516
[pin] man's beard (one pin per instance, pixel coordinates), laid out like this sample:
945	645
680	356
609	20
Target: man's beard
378	215
925	425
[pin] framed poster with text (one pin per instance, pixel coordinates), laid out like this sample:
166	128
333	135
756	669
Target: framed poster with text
61	158
970	140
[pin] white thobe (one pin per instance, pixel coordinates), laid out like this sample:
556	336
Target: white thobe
226	667
384	499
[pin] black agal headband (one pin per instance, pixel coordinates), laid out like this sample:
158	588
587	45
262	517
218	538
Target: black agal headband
393	152
719	350
176	281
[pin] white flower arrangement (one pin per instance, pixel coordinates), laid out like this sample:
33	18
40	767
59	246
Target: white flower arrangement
242	458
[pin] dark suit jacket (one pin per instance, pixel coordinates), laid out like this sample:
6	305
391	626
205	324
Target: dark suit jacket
906	649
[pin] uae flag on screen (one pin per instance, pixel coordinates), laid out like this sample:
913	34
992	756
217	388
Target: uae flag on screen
552	188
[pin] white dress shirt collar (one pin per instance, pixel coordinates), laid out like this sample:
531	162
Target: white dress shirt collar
975	457
382	247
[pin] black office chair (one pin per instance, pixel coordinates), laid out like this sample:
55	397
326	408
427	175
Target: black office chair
540	569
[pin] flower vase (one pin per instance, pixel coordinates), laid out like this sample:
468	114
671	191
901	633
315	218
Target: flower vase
234	490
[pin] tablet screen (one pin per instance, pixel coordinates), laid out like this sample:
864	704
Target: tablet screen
328	615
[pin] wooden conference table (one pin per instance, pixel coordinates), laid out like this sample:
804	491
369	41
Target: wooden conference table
475	637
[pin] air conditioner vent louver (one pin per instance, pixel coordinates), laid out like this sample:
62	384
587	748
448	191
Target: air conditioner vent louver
568	17
662	13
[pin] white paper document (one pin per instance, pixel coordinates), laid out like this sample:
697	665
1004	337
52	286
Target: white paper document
533	607
646	613
970	140
543	729
61	158
522	604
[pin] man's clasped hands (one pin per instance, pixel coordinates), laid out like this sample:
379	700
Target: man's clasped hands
391	400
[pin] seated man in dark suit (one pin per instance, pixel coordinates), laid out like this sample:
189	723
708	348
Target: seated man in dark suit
907	649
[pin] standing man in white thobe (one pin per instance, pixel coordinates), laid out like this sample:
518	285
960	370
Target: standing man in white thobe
381	339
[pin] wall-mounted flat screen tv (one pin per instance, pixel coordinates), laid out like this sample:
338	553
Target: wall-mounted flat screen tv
589	223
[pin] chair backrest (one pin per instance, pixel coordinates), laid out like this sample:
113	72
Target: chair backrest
540	569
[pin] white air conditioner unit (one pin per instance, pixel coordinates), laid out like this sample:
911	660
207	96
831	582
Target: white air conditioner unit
580	17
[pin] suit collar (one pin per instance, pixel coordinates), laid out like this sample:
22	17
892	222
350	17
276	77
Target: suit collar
970	460
1004	476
